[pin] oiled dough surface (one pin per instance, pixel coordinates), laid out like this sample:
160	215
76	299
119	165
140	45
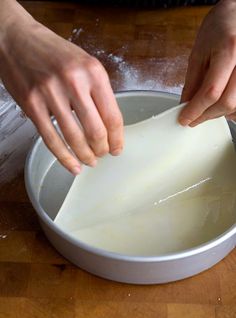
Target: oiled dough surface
172	188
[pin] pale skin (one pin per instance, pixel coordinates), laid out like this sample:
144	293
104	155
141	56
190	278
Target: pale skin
48	75
210	84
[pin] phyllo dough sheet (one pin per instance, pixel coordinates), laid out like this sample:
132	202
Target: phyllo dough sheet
171	189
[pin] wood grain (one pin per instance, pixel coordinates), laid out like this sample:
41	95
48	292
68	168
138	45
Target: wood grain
143	50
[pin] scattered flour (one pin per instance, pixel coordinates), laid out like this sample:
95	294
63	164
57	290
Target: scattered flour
16	133
128	75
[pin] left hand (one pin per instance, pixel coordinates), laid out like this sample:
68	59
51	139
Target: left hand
210	85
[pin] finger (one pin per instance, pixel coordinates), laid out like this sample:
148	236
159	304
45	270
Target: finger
111	115
70	129
231	116
91	121
210	91
205	117
225	106
42	121
193	78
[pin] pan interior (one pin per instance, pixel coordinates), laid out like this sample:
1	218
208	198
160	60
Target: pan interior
135	107
53	192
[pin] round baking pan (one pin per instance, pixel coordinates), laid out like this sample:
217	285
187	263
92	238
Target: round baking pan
47	184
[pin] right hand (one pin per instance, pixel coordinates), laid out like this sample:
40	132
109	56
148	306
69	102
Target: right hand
48	75
211	76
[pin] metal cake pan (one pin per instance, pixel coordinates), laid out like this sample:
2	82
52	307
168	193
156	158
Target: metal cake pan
46	190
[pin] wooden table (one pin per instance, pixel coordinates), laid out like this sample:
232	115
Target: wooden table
141	50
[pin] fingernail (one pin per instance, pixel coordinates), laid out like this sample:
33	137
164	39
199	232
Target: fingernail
76	170
93	163
184	121
194	124
116	152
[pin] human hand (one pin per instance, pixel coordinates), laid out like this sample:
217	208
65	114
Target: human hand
210	85
48	75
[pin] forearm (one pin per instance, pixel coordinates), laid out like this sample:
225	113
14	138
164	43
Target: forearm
12	17
11	12
227	1
228	4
